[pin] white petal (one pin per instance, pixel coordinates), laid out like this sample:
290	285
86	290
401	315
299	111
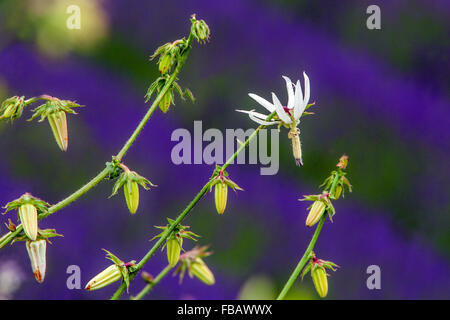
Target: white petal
279	109
258	117
265	123
266	104
298	101
307	92
256	114
290	90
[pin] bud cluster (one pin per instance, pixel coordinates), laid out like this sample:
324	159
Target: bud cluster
12	108
174	242
334	185
200	30
29	208
338	177
53	109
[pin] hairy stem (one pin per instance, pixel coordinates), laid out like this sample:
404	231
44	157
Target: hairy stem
301	264
154	282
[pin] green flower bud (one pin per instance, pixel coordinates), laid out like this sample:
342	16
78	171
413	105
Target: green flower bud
12	108
174	246
37	251
131	191
58	123
200	270
319	277
200	29
165	63
130	181
337	192
220	195
28	217
104	278
165	102
315	213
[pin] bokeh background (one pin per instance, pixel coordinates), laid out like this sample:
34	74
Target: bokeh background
382	97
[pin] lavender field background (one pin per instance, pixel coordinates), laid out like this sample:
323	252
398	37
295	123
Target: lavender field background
382	97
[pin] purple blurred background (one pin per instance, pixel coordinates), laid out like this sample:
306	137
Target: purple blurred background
382	97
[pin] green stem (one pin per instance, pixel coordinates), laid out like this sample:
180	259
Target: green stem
301	264
154	282
180	218
5	239
302	261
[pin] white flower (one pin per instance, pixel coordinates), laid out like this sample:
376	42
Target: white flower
286	115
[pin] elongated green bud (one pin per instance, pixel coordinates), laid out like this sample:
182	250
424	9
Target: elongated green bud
173	250
337	192
28	217
220	196
131	190
165	102
165	63
200	270
58	123
319	277
104	278
315	213
37	251
9	111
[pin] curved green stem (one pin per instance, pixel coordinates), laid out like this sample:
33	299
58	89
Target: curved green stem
5	239
180	218
154	282
302	261
301	264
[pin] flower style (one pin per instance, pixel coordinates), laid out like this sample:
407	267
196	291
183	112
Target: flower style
288	116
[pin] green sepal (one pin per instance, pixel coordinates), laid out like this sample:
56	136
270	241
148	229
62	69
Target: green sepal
27	198
125	268
43	234
132	176
53	105
224	179
178	232
306	270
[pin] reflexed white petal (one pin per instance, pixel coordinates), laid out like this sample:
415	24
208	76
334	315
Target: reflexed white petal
256	114
290	90
258	117
265	123
266	104
298	101
279	109
307	92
